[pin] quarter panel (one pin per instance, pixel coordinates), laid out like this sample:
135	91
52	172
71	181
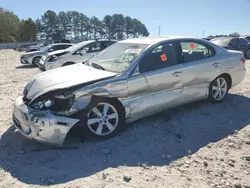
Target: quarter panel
197	76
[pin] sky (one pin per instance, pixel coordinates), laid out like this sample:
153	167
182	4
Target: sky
175	17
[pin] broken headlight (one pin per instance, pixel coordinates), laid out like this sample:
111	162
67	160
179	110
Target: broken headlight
63	102
43	105
58	103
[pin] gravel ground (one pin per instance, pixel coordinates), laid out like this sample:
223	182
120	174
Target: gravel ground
197	145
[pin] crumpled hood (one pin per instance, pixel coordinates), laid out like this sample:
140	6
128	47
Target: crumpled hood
64	77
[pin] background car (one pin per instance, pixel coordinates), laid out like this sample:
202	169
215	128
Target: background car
233	43
33	58
22	47
44	44
78	53
127	81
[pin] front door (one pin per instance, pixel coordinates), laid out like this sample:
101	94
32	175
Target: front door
158	84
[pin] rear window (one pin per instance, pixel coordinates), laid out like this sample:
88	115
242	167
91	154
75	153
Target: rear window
193	51
248	39
221	41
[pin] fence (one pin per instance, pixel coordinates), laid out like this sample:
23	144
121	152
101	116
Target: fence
12	45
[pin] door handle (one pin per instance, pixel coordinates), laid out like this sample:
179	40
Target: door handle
216	64
177	73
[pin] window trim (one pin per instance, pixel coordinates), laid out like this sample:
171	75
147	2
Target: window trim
209	47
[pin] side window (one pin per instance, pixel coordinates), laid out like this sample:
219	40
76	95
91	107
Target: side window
90	48
161	56
242	41
94	47
234	42
64	46
248	39
193	51
54	48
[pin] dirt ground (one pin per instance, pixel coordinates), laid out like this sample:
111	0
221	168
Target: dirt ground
197	145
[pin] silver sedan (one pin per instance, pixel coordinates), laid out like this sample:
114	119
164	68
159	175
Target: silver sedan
33	57
127	81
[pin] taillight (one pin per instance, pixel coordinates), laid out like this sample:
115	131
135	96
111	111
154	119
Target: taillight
243	60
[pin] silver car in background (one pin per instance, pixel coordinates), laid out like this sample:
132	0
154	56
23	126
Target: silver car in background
127	81
34	57
78	53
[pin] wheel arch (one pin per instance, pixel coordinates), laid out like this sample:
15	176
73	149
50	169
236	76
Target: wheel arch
76	128
68	63
35	58
116	100
229	79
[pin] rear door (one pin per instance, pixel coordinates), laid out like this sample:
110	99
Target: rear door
199	69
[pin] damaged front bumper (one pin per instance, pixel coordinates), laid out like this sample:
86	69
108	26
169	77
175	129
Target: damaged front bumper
41	126
41	64
24	60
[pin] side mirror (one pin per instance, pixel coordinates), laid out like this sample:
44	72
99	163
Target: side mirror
51	50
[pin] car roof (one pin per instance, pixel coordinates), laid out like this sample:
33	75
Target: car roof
224	37
153	40
55	44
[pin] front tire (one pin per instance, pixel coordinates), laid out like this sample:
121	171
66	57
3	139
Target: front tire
103	118
218	89
35	61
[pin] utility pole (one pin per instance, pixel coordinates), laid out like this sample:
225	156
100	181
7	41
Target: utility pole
159	30
203	35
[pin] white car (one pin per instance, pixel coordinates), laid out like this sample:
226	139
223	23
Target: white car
33	58
78	53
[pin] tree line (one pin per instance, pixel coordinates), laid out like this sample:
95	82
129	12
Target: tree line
70	25
76	25
234	34
12	29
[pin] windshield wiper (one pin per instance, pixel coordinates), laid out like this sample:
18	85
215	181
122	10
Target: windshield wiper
97	66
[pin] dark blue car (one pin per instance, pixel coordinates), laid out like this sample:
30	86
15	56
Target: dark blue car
233	43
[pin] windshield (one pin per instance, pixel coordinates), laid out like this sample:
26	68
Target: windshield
221	41
46	48
118	56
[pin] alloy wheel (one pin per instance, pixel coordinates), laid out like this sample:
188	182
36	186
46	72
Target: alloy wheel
103	119
219	88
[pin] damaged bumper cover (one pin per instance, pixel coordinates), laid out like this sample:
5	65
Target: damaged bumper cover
41	126
25	60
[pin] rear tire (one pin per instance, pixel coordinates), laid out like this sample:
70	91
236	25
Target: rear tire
218	89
